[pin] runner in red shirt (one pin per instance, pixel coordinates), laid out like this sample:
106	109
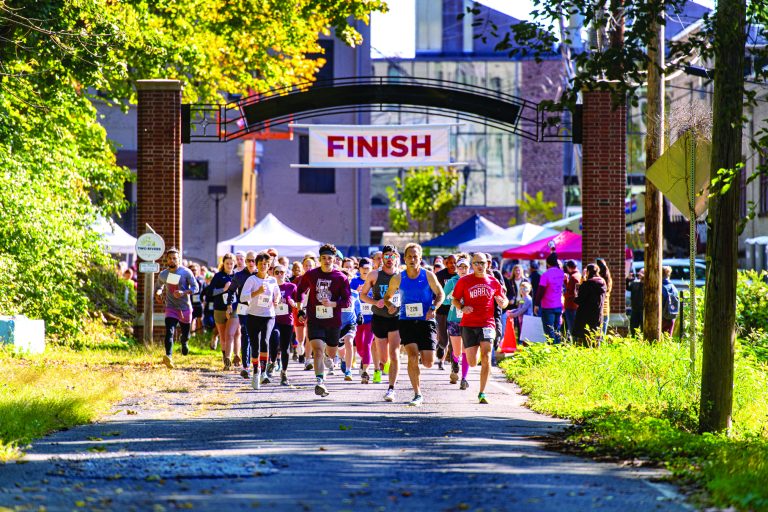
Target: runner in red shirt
474	295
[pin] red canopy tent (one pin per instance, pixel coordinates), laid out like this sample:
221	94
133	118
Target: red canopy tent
567	245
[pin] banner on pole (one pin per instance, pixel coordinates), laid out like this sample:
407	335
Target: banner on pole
379	146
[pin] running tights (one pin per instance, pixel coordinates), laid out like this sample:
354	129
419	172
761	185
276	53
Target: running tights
170	329
259	331
284	334
363	341
245	345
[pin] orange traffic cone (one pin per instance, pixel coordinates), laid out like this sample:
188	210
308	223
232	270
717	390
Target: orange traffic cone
509	343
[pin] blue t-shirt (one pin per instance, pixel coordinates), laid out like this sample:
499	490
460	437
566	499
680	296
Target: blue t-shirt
349	314
356	283
416	296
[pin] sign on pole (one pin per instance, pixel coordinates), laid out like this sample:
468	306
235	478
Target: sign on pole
355	146
149	267
150	247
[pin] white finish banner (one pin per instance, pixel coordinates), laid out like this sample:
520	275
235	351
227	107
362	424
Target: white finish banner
379	146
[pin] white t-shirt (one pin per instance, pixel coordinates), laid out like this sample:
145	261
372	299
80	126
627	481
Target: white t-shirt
264	303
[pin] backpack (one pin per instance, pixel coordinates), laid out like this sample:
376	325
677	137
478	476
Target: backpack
670	306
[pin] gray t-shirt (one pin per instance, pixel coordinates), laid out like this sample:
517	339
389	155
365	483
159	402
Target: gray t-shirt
186	283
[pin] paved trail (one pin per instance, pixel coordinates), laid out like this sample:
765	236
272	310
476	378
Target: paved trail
226	447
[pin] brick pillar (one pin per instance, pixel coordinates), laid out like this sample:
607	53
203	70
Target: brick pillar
603	189
158	171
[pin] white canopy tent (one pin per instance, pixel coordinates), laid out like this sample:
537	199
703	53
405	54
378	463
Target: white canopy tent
515	236
269	232
114	238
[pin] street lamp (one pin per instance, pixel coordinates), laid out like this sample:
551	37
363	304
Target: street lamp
217	193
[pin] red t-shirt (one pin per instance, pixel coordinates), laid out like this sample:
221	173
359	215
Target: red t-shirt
478	292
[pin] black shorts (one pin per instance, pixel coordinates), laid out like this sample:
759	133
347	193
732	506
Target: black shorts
472	336
421	332
330	335
383	325
197	310
349	329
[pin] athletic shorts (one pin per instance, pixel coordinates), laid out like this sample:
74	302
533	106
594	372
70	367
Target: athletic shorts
383	325
220	317
421	332
197	310
454	329
472	336
329	335
348	330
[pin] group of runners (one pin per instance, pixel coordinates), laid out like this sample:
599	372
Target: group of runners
336	308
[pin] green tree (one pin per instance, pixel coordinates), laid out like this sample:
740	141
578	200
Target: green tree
57	168
426	196
535	209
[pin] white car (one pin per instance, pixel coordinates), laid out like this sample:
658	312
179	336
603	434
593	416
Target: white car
681	272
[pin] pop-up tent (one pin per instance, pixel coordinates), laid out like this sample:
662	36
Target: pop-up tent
114	238
474	227
567	246
269	232
511	237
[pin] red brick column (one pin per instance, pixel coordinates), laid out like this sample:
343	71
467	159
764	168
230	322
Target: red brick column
603	188
158	170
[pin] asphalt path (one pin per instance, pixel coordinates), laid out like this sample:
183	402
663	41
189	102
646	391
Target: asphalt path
225	447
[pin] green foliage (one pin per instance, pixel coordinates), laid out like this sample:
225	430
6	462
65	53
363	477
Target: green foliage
635	399
426	195
535	209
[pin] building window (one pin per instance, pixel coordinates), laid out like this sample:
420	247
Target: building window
743	193
314	180
763	195
196	170
429	26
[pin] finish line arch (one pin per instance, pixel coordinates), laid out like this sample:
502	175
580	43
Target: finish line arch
164	125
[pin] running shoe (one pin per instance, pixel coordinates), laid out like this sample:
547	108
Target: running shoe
321	390
385	371
301	359
440	366
481	398
265	378
185	349
377	376
454	377
343	367
348	375
227	363
270	369
308	366
329	365
283	379
244	373
364	378
295	356
256	381
417	401
278	367
236	361
389	396
464	384
168	362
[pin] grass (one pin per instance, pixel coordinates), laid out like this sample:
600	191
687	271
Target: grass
632	399
67	386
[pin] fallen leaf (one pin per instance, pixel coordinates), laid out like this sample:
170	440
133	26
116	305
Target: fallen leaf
406	494
97	449
93	438
344	427
131	412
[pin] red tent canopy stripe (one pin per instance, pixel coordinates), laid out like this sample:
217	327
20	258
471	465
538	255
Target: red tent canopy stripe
567	246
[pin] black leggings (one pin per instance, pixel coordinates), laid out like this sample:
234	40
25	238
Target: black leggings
170	329
259	330
284	336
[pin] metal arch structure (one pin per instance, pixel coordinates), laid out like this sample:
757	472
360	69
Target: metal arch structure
225	122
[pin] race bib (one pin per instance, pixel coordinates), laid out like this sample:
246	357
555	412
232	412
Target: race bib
224	297
489	333
304	301
415	310
242	309
173	278
323	312
459	313
366	309
195	299
348	309
395	300
263	300
210	306
282	309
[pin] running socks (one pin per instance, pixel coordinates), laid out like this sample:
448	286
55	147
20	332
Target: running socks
464	367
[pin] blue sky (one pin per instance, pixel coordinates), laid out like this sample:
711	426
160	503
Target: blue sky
393	33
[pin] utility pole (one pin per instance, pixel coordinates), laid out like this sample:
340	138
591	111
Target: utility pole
654	145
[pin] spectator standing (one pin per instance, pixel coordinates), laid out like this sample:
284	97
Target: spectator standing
590	298
534	276
549	298
572	280
635	289
605	273
670	302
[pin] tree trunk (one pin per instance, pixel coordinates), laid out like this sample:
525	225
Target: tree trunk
654	144
722	263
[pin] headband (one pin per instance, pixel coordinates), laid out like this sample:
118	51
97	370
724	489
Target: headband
462	261
327	252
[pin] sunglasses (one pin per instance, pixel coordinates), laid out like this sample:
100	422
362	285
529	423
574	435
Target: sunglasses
390	256
479	262
279	272
250	260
